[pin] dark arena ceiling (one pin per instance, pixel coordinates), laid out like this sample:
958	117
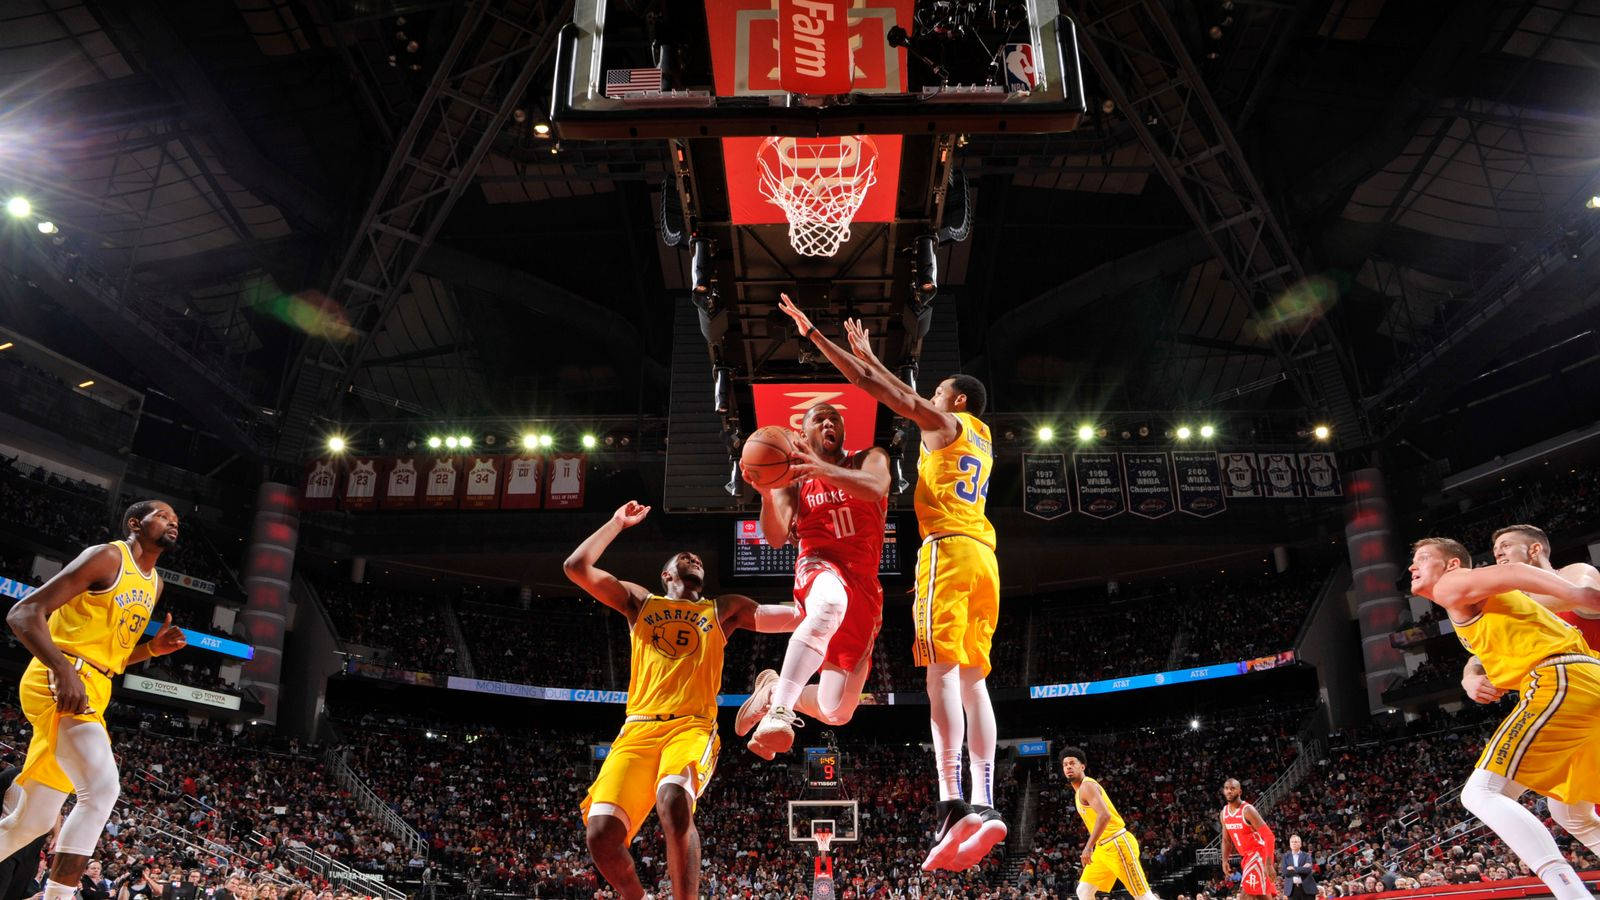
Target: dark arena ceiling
212	167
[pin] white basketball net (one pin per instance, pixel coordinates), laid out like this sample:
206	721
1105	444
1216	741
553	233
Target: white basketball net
824	839
819	184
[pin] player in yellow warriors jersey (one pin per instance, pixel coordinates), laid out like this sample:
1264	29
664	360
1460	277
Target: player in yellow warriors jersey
1550	743
1112	852
83	626
667	749
957	602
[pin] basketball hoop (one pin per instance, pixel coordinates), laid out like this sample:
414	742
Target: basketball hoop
819	183
824	838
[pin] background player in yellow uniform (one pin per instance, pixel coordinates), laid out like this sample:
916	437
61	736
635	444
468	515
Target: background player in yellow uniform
1550	742
82	627
958	584
1112	852
667	749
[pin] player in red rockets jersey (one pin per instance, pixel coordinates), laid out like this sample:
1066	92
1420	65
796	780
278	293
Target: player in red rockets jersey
1248	833
835	510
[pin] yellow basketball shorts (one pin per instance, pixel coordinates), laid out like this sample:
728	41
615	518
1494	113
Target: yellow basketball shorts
1550	743
1117	859
958	602
39	705
644	754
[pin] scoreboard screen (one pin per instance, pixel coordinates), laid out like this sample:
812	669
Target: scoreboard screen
822	767
752	556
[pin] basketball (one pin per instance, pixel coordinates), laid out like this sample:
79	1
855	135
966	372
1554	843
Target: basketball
766	456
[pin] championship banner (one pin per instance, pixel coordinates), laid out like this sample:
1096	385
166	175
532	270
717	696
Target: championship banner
1243	479
1279	474
786	405
1149	480
317	489
482	483
1099	485
1044	485
565	488
361	484
1319	472
400	484
441	484
1199	482
814	46
522	488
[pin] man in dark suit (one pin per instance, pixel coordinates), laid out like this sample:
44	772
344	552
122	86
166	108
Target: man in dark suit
1298	882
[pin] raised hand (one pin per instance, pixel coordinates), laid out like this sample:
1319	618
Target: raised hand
170	639
860	340
631	513
801	320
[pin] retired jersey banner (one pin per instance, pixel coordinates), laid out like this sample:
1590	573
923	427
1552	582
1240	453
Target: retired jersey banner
361	484
1279	474
1099	485
565	489
1149	480
786	405
522	477
814	46
1319	473
1241	478
441	483
318	488
1045	486
400	484
1199	482
482	479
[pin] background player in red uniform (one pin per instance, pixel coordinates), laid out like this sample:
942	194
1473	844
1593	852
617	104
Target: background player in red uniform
1249	834
835	508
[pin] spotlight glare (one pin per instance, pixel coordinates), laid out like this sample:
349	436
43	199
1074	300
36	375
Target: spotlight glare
541	128
1594	202
1046	434
1194	724
19	207
1184	432
336	444
7	345
434	442
588	442
1085	433
464	442
48	227
1322	432
452	442
86	383
530	441
1208	431
546	440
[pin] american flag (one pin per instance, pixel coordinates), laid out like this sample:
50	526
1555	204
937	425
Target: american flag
622	82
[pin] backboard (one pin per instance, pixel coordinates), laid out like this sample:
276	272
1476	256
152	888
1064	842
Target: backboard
808	817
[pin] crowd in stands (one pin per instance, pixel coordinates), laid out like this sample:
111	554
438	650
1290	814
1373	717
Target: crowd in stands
1563	500
575	636
408	629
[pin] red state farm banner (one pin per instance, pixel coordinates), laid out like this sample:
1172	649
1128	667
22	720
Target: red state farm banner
786	405
441	483
400	484
482	480
522	482
814	47
318	490
361	484
565	487
746	59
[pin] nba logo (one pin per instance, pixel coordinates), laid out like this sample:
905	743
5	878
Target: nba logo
1021	74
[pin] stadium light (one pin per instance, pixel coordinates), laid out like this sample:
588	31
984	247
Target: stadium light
88	382
1046	434
464	442
1322	432
48	227
530	441
336	444
546	440
1594	202
434	442
542	129
1194	724
452	442
589	442
1184	432
1085	433
1208	431
19	207
7	345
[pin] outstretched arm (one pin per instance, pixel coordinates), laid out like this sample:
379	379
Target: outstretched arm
739	611
623	596
1460	587
875	380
